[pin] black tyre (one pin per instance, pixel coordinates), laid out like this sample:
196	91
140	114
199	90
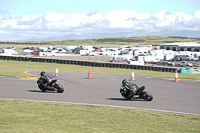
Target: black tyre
41	88
146	96
59	88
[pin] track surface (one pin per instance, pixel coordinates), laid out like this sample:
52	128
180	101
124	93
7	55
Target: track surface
103	89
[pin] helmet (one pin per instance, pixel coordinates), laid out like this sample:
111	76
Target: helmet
124	81
42	73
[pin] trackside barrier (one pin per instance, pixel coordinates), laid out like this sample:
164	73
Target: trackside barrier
89	63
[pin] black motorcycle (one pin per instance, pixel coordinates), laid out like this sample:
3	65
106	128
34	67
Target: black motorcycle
52	86
139	94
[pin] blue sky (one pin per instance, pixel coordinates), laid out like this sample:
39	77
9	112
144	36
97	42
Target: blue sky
34	7
52	18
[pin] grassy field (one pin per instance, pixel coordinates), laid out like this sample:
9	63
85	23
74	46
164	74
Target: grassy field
131	41
33	117
17	69
145	40
28	116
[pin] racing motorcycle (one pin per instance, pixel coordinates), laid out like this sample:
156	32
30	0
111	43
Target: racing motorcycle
52	86
139	94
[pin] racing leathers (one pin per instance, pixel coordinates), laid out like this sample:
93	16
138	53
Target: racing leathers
129	89
47	81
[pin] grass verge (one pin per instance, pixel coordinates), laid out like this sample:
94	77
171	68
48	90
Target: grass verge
29	116
17	69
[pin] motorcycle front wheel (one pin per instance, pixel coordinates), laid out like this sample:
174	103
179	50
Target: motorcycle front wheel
59	88
147	96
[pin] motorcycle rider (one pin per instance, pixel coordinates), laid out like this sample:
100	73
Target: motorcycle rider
47	79
129	89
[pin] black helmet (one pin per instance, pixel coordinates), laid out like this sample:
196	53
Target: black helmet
42	73
124	81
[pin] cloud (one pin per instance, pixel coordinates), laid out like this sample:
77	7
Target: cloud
126	18
197	14
52	24
54	17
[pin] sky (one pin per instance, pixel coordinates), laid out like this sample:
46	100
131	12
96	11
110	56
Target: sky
82	19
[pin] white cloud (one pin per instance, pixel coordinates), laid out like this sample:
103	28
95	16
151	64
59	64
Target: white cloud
126	18
54	17
183	17
197	14
27	18
95	17
163	19
54	24
124	14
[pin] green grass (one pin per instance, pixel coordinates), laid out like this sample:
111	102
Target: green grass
17	69
27	116
145	40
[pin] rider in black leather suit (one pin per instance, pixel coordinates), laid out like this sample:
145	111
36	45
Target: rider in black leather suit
46	78
129	88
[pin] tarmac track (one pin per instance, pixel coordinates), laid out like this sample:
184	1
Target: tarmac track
103	90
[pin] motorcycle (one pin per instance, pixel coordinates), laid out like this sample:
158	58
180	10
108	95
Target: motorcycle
53	86
139	94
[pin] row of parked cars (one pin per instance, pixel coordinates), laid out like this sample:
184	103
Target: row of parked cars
184	58
180	63
183	61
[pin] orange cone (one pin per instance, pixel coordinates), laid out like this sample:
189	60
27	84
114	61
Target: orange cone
176	76
132	75
56	74
89	74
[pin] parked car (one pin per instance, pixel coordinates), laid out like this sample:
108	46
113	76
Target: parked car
181	58
36	52
170	63
185	63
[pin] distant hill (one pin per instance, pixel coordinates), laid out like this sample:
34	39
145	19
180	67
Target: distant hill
143	40
183	33
138	33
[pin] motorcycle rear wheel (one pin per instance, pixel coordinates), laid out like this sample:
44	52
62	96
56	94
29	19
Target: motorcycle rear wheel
147	96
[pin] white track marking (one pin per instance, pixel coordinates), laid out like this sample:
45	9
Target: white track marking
29	73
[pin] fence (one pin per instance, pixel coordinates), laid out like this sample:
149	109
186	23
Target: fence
89	63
